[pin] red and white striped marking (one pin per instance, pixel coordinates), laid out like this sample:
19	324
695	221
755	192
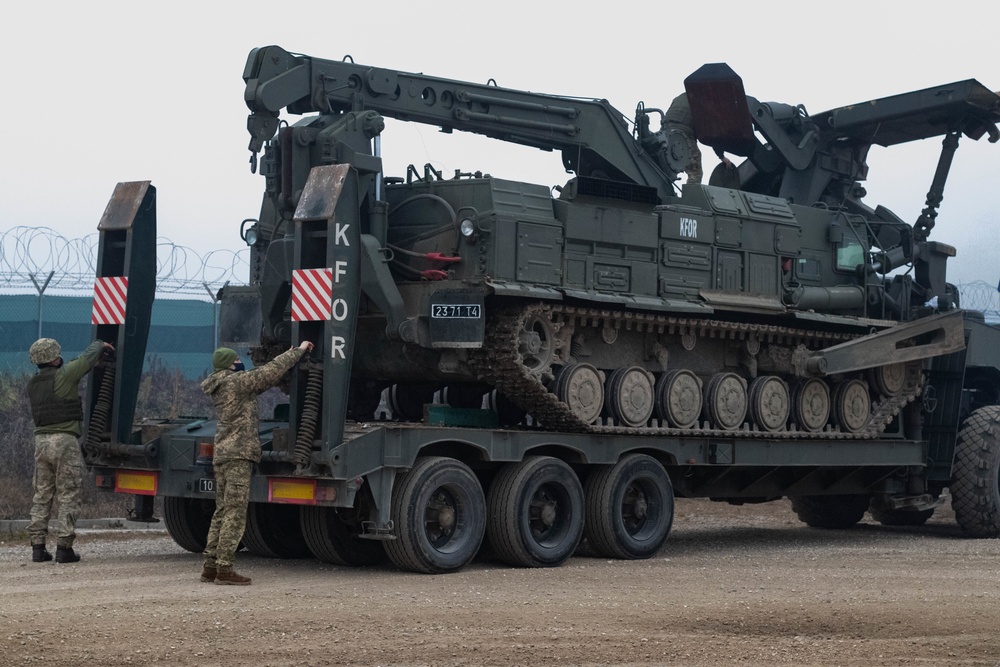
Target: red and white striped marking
312	295
109	300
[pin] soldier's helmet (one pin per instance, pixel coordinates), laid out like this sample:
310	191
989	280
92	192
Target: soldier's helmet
44	351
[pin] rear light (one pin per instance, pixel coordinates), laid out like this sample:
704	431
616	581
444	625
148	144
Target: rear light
206	451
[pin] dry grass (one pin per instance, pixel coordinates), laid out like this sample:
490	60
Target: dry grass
163	392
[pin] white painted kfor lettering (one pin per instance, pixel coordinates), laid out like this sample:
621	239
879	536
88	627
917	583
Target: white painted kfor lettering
689	228
341	233
339	269
339	310
337	344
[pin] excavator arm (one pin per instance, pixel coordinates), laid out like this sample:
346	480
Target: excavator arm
594	138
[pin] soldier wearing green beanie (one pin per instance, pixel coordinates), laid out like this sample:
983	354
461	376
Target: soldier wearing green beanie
237	448
224	358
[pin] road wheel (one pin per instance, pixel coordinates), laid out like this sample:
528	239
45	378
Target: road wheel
851	405
439	512
678	398
769	403
629	396
333	536
898	517
630	508
581	387
273	531
888	380
188	520
811	404
726	401
975	485
535	512
841	511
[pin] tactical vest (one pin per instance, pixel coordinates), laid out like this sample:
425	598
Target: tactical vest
679	112
46	407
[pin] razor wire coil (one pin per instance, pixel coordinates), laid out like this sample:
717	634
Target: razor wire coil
28	255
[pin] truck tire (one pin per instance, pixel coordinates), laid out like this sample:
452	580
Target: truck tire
975	485
188	520
838	511
630	508
334	540
273	531
535	512
439	511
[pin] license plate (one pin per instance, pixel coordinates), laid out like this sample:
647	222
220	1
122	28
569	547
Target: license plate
458	311
206	485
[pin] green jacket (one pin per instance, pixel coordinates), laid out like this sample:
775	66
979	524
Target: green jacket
679	112
67	386
235	398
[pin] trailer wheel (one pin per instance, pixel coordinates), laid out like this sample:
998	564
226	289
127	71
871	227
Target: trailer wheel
535	512
439	512
975	486
273	531
898	517
332	538
188	520
630	508
840	511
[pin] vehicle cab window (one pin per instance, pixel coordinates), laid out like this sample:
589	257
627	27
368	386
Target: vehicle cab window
850	253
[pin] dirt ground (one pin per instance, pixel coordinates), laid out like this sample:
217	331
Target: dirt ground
733	586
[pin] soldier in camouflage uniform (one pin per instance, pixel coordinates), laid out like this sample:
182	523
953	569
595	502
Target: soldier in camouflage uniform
58	415
678	118
237	448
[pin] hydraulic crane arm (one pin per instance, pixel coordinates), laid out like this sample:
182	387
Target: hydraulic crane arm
808	159
594	138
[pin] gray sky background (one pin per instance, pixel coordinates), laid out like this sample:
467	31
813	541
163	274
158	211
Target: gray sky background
102	92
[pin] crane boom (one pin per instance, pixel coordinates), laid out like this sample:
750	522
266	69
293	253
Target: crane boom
594	138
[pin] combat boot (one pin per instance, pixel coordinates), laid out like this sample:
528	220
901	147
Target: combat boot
208	574
230	578
39	554
66	555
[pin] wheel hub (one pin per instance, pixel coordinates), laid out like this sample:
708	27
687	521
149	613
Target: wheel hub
548	514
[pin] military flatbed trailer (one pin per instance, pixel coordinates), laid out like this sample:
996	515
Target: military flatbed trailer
556	478
767	335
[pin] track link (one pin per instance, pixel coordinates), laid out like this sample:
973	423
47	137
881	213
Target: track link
500	364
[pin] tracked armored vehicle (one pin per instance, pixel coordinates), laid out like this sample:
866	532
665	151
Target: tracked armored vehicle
624	302
559	362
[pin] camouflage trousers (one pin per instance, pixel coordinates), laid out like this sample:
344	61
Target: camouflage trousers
58	474
693	169
232	493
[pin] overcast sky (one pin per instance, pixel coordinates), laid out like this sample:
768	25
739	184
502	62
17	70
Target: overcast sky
101	92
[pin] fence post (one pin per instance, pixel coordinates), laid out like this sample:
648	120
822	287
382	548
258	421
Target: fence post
215	312
41	291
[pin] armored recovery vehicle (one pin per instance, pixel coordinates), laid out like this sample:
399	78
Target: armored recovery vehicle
561	362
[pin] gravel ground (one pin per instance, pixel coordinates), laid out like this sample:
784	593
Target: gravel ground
733	586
